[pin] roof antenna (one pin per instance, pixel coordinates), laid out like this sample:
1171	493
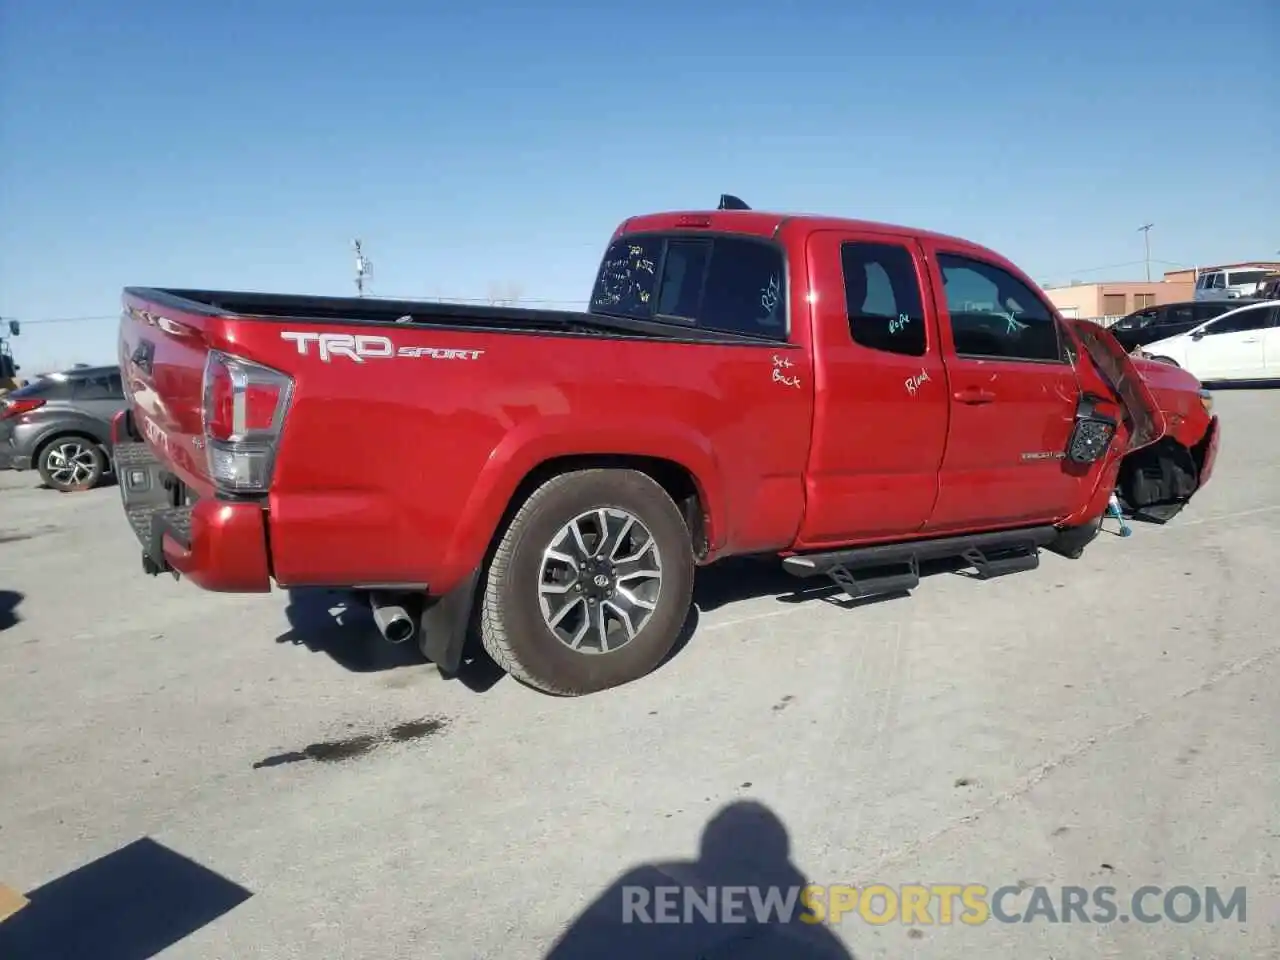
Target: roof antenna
729	202
364	267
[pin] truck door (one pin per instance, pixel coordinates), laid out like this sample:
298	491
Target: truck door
880	404
1231	347
1013	395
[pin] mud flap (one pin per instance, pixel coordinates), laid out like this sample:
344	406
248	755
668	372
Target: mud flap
445	622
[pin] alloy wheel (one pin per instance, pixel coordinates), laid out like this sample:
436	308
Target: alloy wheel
600	580
71	463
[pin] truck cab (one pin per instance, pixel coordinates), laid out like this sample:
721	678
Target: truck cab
942	388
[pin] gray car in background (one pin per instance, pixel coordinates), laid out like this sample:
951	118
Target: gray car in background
60	425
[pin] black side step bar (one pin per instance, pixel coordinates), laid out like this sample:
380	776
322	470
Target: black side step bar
895	567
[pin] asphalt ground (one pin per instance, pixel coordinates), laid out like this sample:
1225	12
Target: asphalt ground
191	775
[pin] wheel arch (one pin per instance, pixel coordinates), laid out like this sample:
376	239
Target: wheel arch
678	459
447	621
1155	474
680	483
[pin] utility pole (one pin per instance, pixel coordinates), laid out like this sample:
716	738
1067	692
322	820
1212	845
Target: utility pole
364	268
1145	230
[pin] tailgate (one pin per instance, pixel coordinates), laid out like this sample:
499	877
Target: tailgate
163	349
1147	421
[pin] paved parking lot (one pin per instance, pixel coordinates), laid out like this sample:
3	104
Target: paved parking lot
236	777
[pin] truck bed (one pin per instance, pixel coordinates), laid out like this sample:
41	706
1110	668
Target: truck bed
296	308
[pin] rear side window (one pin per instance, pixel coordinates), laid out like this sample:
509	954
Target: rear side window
729	284
882	298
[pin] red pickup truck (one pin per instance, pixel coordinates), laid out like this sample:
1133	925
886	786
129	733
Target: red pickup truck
853	397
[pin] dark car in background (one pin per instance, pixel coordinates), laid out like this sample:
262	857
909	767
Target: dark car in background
60	425
1169	319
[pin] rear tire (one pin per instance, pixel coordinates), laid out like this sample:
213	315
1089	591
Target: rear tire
71	464
639	587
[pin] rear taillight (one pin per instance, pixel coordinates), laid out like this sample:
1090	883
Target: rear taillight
244	409
16	408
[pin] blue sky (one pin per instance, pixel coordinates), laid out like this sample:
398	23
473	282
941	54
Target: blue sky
243	145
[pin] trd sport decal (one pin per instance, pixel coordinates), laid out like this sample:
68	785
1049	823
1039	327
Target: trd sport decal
364	347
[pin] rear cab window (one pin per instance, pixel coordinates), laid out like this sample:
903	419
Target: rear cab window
724	283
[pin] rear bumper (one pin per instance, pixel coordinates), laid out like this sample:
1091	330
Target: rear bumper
216	544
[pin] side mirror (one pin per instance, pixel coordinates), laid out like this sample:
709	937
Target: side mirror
1198	335
14	327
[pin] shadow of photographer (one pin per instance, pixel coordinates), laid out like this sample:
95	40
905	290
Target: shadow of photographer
739	900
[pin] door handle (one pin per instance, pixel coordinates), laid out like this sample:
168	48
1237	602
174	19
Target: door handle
1250	339
974	395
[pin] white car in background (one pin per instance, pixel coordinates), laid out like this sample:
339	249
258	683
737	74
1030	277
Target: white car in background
1242	344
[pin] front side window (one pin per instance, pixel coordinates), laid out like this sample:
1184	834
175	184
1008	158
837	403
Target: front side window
1250	318
728	284
882	298
994	314
1136	320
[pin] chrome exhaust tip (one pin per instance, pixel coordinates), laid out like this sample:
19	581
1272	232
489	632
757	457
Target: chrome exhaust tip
392	619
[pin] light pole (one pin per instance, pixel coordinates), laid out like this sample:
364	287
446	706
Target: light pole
1145	230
